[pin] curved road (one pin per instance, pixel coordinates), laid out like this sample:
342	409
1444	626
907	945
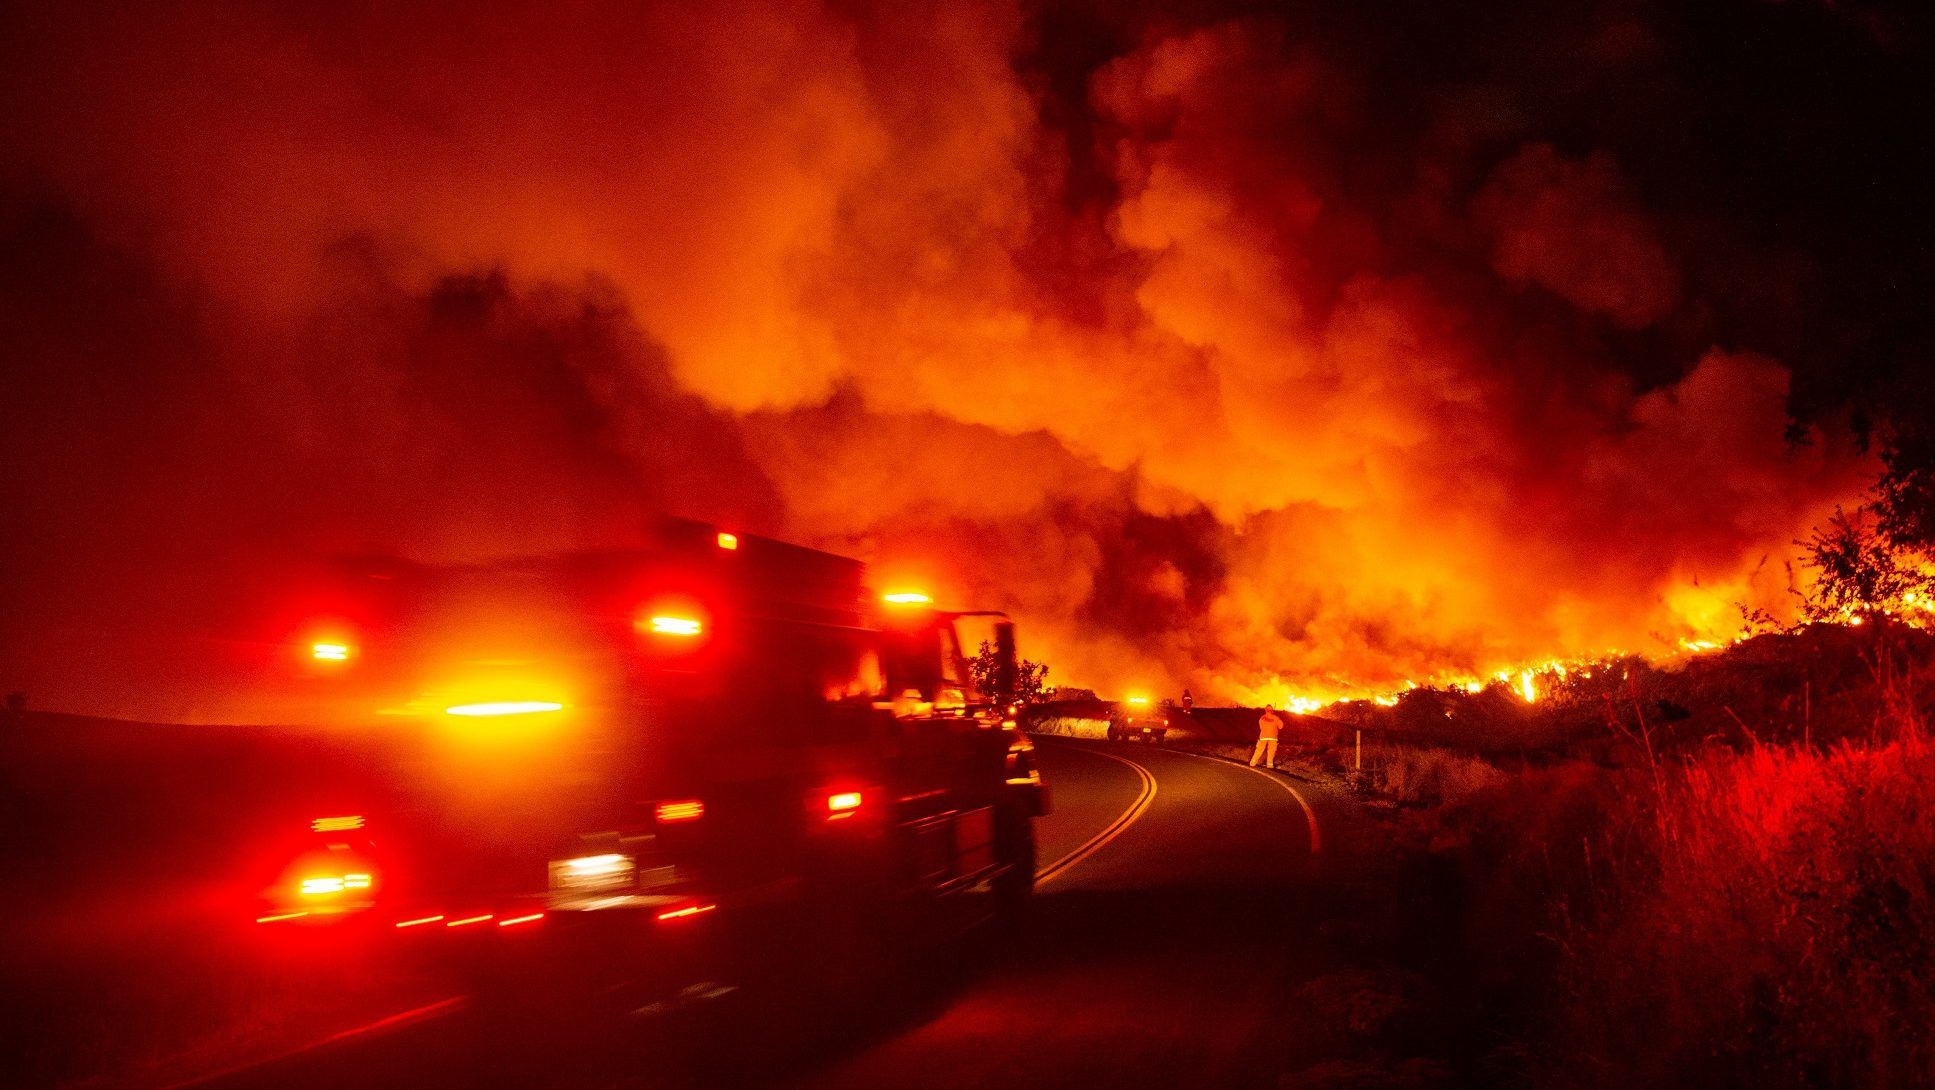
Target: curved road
1175	916
1165	956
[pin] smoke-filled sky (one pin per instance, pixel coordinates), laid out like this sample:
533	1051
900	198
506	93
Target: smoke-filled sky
1258	348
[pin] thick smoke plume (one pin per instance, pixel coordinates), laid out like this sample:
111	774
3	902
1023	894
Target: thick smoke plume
1227	351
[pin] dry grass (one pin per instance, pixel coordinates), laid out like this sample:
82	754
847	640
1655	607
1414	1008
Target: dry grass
1731	885
1773	925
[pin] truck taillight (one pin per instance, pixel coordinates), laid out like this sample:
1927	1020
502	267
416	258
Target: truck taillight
728	541
329	652
842	804
677	811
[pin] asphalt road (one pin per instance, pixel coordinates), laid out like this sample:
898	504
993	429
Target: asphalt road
1174	919
1165	957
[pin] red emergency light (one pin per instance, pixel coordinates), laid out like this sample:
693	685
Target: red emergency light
842	804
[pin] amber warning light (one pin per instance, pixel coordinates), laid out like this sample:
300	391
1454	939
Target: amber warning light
504	707
329	652
674	811
676	626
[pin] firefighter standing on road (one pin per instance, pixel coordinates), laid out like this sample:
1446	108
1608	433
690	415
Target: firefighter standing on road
1268	726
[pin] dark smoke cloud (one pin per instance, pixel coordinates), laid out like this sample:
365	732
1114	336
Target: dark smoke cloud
1263	352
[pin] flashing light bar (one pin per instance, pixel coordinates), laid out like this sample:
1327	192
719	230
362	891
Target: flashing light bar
676	626
329	652
728	541
337	824
504	707
1138	700
906	598
675	811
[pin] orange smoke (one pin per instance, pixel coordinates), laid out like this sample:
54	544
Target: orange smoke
1202	395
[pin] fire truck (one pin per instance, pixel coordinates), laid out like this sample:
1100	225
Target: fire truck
648	768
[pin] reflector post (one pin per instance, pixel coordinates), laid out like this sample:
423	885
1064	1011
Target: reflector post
515	920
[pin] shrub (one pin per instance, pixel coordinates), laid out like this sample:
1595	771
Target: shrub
1429	775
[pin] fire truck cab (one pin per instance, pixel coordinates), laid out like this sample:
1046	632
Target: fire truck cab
636	764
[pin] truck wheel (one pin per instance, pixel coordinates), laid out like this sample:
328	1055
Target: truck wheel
1014	887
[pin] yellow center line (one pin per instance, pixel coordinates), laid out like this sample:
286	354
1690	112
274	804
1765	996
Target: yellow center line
1120	825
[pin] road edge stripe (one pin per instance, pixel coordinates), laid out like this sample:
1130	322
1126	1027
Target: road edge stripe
1116	828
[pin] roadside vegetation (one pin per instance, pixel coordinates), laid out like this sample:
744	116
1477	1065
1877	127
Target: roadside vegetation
1728	880
1712	872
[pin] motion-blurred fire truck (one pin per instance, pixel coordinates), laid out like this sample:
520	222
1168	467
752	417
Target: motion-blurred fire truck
654	766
